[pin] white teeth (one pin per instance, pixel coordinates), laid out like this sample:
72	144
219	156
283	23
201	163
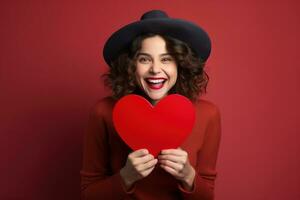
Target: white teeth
155	81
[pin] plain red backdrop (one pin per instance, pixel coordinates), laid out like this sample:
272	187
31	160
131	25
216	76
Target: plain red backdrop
51	61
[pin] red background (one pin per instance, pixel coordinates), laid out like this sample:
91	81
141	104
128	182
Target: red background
51	60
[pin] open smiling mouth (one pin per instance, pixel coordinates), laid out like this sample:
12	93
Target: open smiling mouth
155	83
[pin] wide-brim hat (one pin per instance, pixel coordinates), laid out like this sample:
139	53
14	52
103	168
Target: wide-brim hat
157	21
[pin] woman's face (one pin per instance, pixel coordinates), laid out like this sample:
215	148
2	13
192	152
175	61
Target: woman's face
156	70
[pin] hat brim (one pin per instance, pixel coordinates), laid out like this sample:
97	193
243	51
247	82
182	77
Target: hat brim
183	30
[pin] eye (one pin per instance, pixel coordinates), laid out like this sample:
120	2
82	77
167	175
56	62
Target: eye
167	59
143	60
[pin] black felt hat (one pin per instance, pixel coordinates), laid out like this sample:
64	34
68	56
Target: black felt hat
157	21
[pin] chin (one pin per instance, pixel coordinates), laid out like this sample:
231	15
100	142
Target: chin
156	97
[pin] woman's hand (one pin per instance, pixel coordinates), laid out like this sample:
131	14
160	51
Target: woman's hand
176	162
139	164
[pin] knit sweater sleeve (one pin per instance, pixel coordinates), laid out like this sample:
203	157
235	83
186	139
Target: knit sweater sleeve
203	187
97	180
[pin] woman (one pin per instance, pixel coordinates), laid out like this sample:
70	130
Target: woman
153	57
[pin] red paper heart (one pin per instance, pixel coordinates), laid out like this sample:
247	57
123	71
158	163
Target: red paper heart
164	126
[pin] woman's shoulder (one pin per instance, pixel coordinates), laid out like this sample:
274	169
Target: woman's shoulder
103	105
207	107
105	101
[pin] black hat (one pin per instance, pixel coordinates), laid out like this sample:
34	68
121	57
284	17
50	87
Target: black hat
157	21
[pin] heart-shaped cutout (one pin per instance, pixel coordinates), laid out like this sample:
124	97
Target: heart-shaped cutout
163	126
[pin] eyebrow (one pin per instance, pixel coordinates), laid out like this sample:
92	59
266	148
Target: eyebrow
146	54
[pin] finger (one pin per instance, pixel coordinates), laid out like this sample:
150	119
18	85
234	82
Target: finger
178	159
178	152
147	165
176	166
139	153
147	171
143	159
170	170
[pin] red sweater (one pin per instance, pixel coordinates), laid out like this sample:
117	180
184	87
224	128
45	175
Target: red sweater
105	153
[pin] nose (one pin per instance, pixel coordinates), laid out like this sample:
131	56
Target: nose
155	68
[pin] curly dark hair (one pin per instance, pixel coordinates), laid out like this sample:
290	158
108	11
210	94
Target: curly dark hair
191	82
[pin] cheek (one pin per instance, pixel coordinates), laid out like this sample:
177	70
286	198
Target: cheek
138	74
138	79
173	73
140	71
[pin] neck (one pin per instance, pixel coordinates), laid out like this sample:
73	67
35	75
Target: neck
140	92
153	102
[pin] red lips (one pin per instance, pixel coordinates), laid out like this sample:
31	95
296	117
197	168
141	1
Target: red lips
155	82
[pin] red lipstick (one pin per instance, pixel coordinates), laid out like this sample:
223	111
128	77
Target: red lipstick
155	83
